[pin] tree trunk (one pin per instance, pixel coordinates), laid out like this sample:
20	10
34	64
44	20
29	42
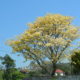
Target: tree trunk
54	68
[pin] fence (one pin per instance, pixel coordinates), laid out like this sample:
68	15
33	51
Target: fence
75	77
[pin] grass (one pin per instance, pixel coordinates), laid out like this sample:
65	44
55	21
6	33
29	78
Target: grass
53	79
1	72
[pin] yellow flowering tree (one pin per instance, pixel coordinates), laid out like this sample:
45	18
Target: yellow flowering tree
46	39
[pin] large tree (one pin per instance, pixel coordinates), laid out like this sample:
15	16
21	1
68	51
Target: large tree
46	39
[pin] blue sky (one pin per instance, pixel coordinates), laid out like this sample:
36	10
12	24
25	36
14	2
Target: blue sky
15	14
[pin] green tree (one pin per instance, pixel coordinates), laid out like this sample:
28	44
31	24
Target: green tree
10	72
75	61
47	38
17	75
9	67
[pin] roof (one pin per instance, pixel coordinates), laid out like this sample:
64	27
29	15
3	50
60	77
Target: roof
59	71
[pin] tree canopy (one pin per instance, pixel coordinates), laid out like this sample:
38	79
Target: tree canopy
46	39
8	62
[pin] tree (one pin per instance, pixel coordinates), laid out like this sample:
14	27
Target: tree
17	75
75	61
9	67
10	72
46	39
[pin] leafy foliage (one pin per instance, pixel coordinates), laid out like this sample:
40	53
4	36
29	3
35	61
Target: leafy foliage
10	72
75	60
1	73
47	38
9	67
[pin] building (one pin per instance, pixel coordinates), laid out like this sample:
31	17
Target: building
59	72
